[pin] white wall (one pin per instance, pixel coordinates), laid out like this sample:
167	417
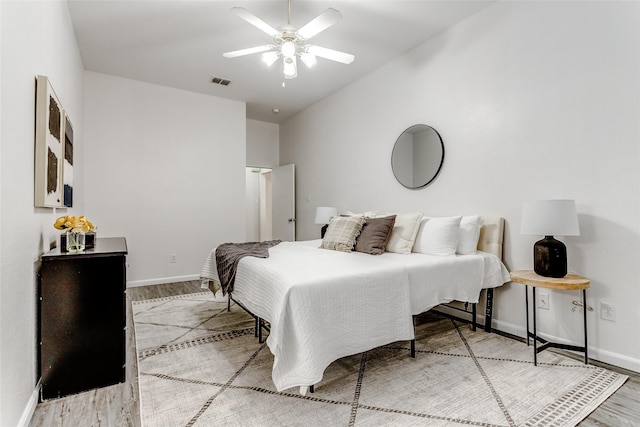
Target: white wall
164	168
533	100
263	152
262	144
36	38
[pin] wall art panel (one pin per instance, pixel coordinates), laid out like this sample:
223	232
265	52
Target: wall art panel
67	169
49	146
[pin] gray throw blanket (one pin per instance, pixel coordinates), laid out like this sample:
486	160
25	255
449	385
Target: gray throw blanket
228	255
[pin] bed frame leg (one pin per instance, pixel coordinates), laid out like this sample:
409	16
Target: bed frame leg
311	388
489	311
259	320
474	316
413	341
229	301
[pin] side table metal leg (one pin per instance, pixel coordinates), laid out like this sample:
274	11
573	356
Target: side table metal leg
584	311
535	331
526	307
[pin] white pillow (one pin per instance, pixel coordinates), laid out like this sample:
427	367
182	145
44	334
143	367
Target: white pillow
404	232
469	234
369	214
438	236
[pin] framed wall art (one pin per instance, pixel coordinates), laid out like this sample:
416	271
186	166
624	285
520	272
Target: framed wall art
67	168
49	146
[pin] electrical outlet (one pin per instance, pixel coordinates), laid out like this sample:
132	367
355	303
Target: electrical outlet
172	258
543	300
607	311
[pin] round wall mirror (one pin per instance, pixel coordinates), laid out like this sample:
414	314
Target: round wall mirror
417	156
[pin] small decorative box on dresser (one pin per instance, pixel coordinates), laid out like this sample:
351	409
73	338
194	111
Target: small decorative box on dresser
82	318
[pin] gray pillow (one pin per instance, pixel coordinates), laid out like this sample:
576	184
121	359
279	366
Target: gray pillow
375	234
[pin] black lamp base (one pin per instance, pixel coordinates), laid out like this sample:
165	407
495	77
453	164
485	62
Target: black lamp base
323	230
550	257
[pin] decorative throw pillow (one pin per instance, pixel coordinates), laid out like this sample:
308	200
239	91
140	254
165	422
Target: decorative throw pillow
342	232
404	233
438	236
374	235
368	214
469	234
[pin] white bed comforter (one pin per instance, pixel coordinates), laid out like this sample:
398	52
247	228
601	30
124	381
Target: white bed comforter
435	280
322	305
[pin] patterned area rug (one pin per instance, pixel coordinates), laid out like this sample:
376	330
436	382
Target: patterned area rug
200	365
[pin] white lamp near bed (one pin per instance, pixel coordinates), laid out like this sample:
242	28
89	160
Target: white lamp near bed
323	216
550	218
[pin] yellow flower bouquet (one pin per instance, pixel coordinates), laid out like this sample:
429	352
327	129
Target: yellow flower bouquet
75	224
74	240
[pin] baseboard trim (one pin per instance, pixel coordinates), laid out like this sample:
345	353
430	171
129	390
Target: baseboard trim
598	354
30	409
162	280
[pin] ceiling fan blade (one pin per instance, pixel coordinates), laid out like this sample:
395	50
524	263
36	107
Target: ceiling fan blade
319	23
248	51
334	55
255	21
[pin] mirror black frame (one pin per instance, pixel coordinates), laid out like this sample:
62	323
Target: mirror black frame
395	146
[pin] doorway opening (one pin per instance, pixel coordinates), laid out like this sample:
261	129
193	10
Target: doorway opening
258	204
270	203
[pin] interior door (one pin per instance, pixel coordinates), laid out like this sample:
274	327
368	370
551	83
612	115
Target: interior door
283	203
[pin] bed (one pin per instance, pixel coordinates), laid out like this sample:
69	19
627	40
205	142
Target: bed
322	305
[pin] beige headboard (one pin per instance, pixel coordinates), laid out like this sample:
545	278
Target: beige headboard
491	236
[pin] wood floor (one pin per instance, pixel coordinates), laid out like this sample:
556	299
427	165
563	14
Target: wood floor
118	405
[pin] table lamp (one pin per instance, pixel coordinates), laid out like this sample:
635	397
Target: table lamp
323	216
549	218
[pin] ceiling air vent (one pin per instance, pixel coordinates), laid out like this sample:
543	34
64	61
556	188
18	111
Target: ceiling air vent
220	81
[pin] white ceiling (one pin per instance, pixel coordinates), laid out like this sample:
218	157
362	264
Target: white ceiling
180	44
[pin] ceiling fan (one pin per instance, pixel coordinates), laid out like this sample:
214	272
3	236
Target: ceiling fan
290	43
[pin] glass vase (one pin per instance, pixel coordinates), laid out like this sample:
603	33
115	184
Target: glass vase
75	241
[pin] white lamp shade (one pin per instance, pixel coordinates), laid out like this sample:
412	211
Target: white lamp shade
324	214
550	218
288	49
308	59
269	58
289	68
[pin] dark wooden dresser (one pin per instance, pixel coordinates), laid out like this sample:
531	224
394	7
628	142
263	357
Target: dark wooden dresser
82	318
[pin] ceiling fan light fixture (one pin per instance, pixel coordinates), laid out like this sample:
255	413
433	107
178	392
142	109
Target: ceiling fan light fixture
288	49
289	42
309	59
270	58
289	68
